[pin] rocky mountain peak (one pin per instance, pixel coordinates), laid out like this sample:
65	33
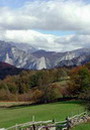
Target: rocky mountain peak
14	54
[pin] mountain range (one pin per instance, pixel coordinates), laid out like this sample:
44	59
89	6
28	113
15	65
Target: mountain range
22	55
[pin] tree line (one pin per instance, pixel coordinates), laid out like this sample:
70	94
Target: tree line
47	85
31	85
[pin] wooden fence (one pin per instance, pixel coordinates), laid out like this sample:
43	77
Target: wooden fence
51	124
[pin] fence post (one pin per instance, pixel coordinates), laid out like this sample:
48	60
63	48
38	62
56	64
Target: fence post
33	118
34	127
68	123
16	127
53	121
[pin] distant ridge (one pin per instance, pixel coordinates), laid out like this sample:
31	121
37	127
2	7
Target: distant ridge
7	69
25	56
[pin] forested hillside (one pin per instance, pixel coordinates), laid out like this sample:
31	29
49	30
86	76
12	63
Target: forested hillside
7	69
43	85
47	85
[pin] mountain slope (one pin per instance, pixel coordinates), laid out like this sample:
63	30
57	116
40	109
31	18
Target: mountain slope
25	47
15	54
7	69
71	58
20	58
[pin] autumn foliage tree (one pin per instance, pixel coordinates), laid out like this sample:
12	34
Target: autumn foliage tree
80	80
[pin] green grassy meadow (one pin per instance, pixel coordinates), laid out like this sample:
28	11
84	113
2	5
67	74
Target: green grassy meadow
82	127
58	111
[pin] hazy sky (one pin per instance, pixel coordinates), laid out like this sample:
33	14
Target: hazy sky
58	25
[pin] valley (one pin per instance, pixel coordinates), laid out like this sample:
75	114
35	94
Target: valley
44	64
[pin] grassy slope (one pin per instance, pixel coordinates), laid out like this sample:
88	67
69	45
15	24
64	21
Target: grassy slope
58	111
82	127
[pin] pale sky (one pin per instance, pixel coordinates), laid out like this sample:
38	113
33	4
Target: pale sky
55	25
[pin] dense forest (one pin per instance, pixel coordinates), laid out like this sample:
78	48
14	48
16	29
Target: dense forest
33	85
47	85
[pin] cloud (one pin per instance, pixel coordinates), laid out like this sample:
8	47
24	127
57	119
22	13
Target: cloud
19	24
47	15
46	41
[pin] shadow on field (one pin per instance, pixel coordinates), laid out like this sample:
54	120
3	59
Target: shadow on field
60	101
